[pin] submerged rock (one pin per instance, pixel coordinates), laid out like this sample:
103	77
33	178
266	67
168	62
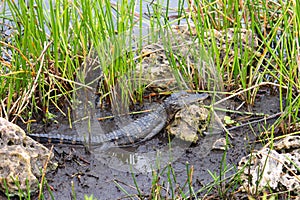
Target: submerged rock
22	159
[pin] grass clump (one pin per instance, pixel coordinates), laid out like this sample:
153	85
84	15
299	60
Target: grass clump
45	48
48	43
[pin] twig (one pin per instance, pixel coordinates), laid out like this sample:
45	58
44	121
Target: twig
255	121
44	172
34	85
250	88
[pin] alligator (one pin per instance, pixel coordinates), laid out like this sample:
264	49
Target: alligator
142	129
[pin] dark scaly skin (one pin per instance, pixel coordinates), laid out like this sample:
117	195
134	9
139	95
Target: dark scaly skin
141	129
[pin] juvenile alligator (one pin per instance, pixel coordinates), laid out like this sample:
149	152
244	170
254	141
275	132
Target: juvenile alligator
141	129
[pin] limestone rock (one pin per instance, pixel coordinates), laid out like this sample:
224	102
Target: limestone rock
189	122
276	168
22	159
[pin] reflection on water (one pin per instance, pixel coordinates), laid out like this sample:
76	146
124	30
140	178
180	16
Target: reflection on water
131	160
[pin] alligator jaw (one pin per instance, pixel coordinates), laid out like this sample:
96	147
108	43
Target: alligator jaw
179	100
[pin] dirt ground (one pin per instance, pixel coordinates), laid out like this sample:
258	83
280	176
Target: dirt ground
98	174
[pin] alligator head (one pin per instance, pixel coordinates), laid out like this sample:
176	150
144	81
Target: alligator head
179	100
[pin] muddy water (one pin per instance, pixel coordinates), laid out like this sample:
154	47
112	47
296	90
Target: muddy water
90	175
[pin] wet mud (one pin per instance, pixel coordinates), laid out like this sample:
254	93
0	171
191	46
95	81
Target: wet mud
81	172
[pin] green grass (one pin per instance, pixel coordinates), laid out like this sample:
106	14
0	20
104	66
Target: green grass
48	47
